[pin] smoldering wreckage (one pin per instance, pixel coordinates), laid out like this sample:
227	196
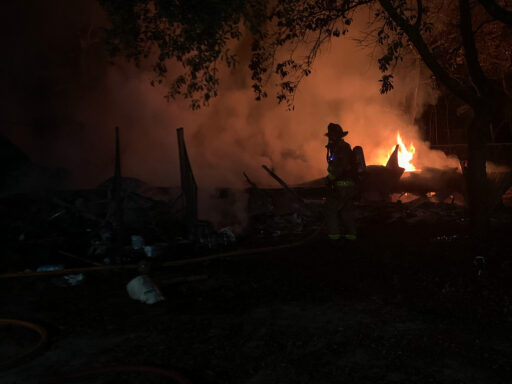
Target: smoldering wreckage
125	224
124	221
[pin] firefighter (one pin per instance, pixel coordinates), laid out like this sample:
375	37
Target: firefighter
341	178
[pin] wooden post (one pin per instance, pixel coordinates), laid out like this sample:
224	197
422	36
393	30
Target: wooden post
116	203
188	187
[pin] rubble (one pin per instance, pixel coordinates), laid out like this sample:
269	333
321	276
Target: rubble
156	250
228	234
442	182
125	220
137	242
46	268
285	186
74	279
143	289
446	238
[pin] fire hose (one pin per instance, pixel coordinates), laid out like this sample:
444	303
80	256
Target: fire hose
41	343
243	252
44	335
43	340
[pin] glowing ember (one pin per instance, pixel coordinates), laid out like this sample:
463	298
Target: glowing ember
404	155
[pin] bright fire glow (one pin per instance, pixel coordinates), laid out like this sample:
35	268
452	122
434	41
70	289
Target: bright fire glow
405	155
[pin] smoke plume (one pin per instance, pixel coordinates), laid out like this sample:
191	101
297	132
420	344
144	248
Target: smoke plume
63	112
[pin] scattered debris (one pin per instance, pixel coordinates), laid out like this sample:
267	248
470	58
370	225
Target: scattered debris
228	234
75	279
143	289
86	226
479	262
137	242
60	212
76	208
47	268
285	186
155	250
446	238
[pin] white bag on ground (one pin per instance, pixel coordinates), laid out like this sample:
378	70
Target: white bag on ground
143	289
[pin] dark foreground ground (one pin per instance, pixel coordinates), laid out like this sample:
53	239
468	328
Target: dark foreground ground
408	304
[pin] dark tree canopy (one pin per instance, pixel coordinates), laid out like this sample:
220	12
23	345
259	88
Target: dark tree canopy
195	33
288	34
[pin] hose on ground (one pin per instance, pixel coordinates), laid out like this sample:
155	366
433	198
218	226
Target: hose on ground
43	335
43	339
251	251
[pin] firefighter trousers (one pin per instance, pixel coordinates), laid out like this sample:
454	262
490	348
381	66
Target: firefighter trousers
339	213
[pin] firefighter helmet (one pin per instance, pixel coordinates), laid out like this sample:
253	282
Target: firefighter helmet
335	131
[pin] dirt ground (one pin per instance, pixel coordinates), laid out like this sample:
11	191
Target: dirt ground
409	303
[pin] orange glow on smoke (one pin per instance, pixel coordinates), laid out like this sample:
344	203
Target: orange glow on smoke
405	155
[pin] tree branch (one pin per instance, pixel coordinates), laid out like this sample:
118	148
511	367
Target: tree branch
417	23
499	13
470	53
464	92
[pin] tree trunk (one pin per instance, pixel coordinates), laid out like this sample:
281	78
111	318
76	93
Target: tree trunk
477	182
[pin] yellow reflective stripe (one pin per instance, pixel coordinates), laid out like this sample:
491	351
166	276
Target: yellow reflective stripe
344	183
334	236
350	237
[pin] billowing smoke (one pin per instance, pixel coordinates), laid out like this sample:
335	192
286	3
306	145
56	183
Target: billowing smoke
75	126
236	133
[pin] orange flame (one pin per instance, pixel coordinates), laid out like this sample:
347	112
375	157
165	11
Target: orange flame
405	155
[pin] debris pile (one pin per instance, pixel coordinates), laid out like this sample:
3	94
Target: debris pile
125	220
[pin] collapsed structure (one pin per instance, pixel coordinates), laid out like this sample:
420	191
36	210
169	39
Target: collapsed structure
125	220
